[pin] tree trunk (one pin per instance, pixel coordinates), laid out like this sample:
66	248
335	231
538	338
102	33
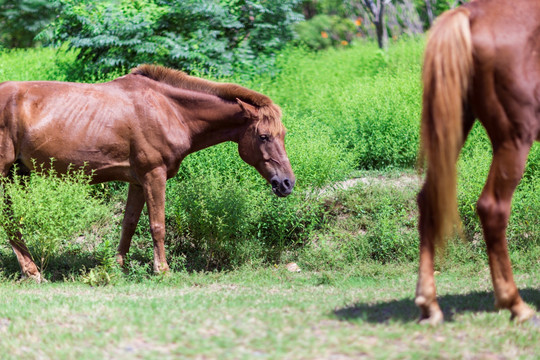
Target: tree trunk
376	13
429	10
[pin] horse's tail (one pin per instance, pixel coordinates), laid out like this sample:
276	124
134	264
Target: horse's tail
448	65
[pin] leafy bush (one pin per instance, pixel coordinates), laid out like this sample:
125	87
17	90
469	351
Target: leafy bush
49	210
22	20
372	221
32	64
344	109
323	31
224	214
194	35
368	100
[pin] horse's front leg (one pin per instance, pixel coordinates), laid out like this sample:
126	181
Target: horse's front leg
134	206
154	193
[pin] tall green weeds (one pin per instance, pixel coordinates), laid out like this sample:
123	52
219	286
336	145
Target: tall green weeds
345	110
49	210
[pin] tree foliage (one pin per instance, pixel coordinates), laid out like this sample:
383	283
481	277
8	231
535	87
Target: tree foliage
218	36
378	19
21	20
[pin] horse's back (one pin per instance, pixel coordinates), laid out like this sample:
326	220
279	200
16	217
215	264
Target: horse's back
73	123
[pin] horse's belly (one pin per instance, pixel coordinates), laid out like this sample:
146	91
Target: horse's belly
108	160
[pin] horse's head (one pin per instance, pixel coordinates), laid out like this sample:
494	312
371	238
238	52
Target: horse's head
262	146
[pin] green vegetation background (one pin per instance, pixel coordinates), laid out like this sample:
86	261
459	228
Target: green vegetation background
350	113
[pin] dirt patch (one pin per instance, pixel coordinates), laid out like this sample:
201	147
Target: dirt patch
400	182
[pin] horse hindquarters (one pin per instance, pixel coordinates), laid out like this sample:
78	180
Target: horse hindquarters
502	97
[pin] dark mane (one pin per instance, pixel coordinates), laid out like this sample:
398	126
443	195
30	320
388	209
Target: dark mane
182	80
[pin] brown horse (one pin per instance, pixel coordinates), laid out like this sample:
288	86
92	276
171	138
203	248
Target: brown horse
138	129
482	60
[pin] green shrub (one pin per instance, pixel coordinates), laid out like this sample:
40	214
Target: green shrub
368	100
224	213
372	221
32	64
323	31
344	109
22	20
196	35
49	210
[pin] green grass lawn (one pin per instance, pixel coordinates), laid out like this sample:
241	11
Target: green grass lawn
264	314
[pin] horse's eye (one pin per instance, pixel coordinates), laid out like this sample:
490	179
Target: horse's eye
264	137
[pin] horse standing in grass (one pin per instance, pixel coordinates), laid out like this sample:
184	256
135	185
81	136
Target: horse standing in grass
138	129
482	60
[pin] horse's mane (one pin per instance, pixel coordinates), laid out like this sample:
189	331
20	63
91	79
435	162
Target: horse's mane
182	80
268	111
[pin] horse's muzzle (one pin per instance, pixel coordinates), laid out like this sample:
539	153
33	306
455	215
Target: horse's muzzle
282	187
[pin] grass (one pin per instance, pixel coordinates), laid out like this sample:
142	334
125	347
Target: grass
263	313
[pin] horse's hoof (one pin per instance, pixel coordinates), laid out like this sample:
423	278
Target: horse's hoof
161	268
37	278
431	313
523	313
432	320
120	260
432	317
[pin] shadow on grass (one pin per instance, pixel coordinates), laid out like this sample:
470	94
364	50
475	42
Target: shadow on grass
405	310
58	269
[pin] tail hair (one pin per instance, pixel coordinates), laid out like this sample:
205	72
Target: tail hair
446	76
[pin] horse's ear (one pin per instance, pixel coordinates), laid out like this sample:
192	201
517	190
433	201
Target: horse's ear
250	110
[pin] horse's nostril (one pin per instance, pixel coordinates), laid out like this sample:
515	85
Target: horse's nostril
287	183
274	183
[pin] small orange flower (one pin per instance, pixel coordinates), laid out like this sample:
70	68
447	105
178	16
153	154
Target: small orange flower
344	42
358	22
324	34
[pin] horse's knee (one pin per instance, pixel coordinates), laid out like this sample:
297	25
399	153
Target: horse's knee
493	214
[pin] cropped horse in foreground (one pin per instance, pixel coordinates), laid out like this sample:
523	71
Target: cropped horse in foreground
138	129
482	60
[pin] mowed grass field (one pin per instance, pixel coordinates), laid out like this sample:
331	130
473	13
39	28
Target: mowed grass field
264	314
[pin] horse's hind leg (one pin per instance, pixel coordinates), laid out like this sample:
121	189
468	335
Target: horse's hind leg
494	205
134	206
28	267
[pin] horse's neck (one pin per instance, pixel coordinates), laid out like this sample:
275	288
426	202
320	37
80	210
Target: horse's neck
214	121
